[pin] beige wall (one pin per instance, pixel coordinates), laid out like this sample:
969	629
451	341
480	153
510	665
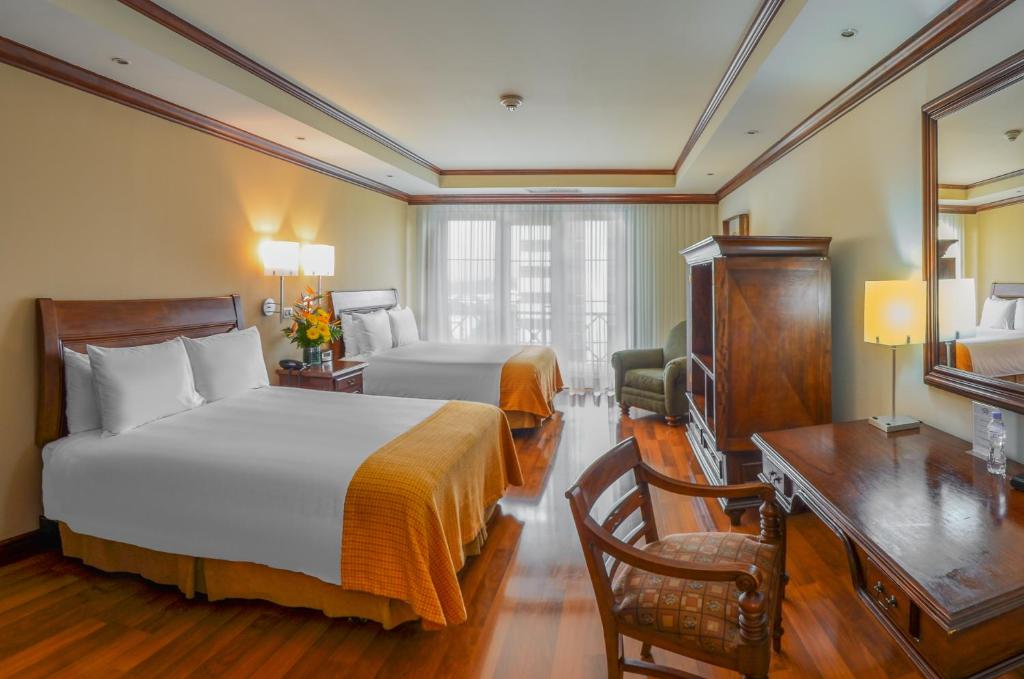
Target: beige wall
100	201
996	247
860	182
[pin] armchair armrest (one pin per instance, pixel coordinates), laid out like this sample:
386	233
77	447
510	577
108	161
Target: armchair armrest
675	386
630	359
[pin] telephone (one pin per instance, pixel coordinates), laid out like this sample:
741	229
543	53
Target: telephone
291	364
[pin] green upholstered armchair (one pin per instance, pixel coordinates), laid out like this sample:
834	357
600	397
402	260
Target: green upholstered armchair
654	379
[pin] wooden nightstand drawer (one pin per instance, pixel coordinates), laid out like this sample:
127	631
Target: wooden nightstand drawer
340	375
351	384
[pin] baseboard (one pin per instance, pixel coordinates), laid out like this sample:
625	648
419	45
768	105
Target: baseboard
43	539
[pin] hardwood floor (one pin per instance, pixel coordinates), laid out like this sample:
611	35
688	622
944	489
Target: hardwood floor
531	607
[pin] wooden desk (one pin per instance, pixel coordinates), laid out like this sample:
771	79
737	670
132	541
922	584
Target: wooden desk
340	375
935	542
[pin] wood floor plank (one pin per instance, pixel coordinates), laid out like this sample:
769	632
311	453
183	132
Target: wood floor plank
529	599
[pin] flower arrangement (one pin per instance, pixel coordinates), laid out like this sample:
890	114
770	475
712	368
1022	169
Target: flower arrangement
311	326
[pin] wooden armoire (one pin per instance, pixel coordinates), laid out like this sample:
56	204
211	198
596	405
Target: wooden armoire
758	311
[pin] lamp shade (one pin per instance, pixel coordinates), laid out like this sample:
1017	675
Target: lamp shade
957	308
280	258
317	260
894	312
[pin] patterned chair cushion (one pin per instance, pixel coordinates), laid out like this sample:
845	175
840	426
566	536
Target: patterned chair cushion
696	613
646	379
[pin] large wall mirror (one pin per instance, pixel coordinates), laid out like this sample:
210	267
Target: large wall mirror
974	236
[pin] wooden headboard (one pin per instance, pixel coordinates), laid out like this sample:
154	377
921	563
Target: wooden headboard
1008	290
115	323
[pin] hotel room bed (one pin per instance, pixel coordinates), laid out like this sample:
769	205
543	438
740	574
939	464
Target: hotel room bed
993	353
521	380
247	497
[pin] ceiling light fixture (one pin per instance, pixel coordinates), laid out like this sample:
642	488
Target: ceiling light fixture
301	138
849	32
120	61
753	131
1011	135
511	101
711	174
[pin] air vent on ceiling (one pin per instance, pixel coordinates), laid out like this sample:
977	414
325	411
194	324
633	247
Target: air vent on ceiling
552	190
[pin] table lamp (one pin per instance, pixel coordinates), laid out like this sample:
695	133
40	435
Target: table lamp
894	316
280	258
957	312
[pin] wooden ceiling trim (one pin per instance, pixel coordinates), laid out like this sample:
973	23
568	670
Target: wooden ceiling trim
191	32
953	22
762	20
592	198
993	180
48	66
556	171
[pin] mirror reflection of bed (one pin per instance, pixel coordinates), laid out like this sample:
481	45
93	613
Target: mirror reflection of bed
980	239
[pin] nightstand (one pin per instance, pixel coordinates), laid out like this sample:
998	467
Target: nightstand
341	375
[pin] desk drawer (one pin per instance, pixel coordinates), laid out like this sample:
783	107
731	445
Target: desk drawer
352	384
887	598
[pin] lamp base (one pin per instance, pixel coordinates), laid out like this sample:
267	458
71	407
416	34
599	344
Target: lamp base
893	423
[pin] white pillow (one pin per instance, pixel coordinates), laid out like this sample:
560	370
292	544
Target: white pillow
403	326
374	331
82	409
1018	316
227	364
997	313
136	385
350	334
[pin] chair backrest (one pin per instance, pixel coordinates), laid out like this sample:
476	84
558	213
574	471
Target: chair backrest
605	471
675	345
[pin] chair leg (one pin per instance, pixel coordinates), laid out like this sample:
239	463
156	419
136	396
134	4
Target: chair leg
613	655
624	409
645	652
673	420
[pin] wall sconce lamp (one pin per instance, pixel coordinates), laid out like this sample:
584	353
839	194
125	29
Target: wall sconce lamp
280	258
317	260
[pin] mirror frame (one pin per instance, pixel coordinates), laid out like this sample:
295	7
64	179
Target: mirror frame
978	387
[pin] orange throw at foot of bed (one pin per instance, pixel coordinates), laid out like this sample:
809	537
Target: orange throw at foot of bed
413	504
529	382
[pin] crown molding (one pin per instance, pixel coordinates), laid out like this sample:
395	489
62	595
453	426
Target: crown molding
593	198
48	66
200	37
953	22
982	207
555	171
762	20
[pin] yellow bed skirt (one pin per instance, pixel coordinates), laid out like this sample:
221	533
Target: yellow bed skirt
219	579
529	382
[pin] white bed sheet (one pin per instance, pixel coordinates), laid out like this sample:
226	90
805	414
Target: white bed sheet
996	353
258	477
466	372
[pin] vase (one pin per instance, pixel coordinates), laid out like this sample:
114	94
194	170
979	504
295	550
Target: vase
311	355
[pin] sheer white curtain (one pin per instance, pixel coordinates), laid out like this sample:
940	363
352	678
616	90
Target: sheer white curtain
567	276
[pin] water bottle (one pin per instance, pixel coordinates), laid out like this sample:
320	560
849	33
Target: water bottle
996	444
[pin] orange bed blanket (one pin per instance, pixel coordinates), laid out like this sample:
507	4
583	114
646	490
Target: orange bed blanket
529	382
413	504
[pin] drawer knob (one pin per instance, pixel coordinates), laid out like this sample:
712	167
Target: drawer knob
891	601
879	587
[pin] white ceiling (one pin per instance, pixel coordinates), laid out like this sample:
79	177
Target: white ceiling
608	84
972	146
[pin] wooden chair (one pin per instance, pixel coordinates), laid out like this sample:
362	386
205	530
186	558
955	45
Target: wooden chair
714	597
